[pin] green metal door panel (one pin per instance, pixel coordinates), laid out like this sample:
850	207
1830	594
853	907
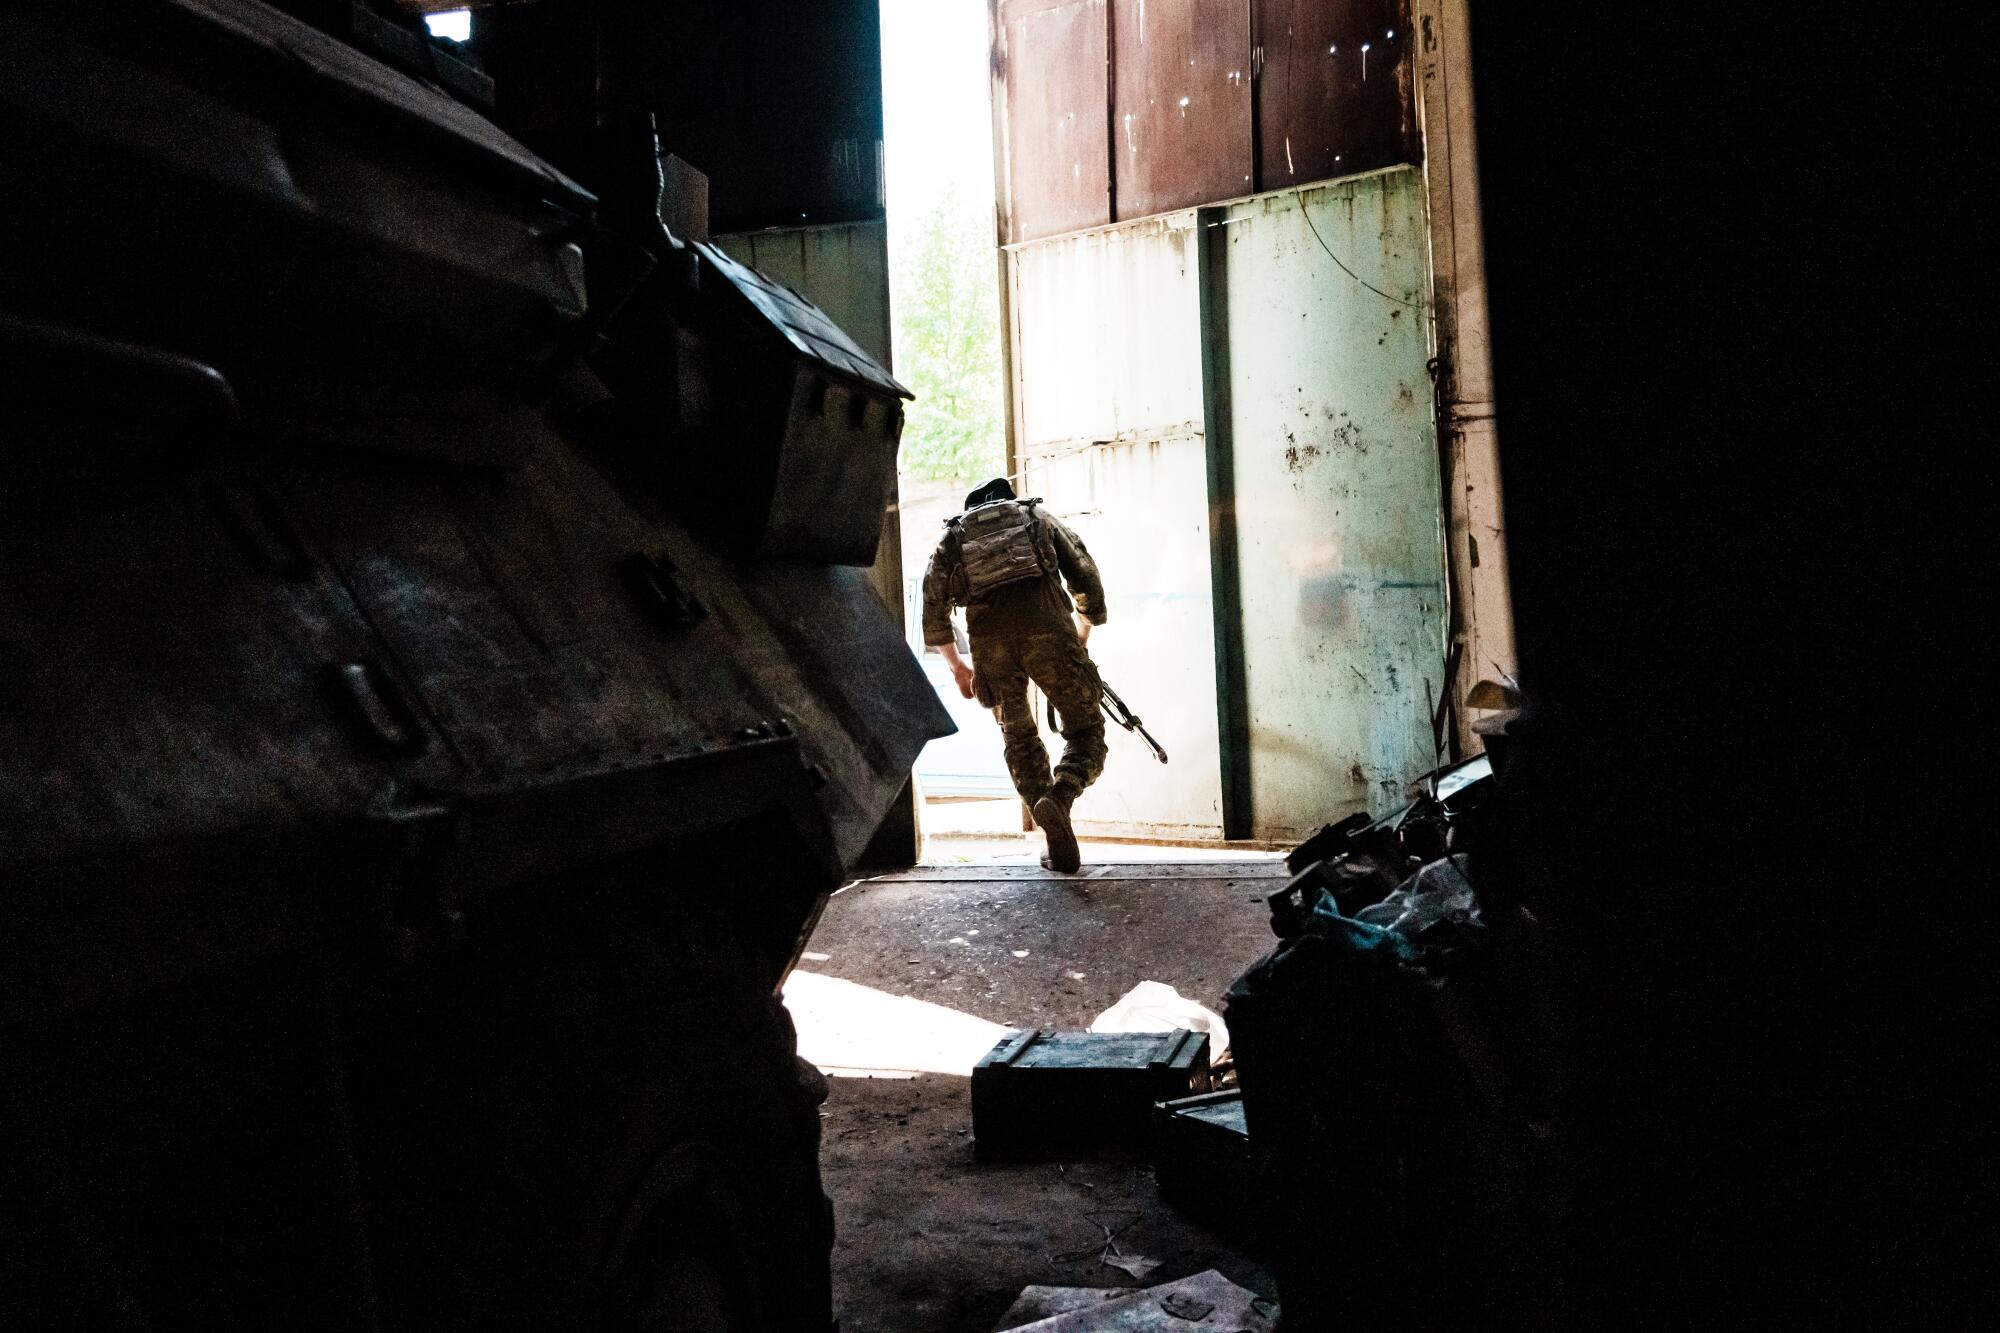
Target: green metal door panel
1142	511
1108	354
1337	495
1108	344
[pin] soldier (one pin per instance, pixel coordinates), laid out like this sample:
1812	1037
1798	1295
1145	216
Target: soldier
1006	562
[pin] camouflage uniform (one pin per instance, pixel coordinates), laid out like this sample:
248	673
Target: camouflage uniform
1020	633
1056	662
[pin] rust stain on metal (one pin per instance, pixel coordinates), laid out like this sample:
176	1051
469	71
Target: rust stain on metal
1297	455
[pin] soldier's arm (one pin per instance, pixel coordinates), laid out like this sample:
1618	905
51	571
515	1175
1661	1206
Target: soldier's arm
937	599
1079	571
937	617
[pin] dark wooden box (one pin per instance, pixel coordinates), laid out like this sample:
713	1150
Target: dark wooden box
1204	1160
1039	1093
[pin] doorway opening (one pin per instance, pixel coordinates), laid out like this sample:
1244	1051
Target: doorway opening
945	317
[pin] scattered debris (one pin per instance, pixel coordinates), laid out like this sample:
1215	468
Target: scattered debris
1436	895
1386	1045
1040	1302
1107	1253
812	957
1020	953
1207	1300
1186	1307
1138	1265
1359	861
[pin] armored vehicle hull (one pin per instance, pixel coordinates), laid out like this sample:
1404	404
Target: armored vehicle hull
410	810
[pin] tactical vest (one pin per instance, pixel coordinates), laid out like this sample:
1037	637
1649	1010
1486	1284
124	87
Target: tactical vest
1001	542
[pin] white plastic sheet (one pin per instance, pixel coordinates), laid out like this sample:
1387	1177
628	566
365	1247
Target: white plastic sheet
1154	1006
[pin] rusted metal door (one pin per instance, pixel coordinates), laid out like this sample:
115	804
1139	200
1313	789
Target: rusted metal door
1050	59
1111	110
1333	89
1181	104
1337	496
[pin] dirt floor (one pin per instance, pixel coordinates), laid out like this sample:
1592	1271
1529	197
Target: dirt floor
930	1241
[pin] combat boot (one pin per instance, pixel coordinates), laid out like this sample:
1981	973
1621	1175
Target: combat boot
1052	814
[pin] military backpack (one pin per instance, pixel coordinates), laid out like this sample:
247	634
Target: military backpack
1001	542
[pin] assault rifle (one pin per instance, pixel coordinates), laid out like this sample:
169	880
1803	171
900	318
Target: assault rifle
1115	709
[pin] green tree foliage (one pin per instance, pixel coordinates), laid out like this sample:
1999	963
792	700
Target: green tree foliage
947	308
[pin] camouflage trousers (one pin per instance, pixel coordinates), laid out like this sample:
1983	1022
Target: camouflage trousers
1058	663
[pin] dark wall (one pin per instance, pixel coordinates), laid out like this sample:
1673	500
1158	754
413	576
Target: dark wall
1741	519
779	103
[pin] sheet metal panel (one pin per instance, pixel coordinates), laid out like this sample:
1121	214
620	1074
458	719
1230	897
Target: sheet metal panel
1338	497
844	270
1058	103
1109	357
1334	89
1106	336
1142	509
1181	104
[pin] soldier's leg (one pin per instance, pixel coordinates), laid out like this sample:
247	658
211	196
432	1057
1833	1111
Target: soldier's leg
1060	665
998	664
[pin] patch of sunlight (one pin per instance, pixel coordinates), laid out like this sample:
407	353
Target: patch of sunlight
455	24
853	1031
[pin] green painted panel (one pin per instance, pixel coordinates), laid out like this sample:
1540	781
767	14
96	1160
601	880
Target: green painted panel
1337	495
1108	351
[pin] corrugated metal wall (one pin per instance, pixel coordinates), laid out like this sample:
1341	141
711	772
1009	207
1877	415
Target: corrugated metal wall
1108	366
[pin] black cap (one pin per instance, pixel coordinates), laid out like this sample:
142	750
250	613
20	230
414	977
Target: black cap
997	489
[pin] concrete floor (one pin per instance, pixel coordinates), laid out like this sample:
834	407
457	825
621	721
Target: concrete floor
928	1240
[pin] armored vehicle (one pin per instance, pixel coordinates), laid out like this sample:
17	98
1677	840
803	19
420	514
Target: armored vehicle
440	691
